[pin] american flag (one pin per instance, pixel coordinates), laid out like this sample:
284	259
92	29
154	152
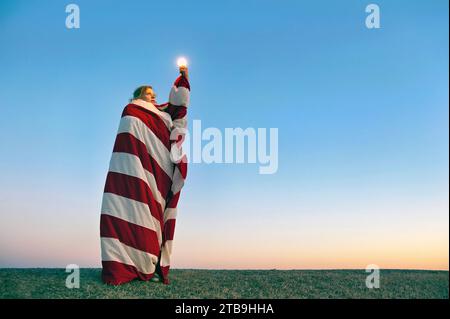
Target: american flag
146	173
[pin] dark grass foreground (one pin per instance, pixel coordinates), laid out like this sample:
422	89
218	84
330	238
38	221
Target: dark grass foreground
197	283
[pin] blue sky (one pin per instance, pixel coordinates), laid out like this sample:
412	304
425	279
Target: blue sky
362	118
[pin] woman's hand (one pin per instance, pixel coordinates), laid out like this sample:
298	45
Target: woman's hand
184	71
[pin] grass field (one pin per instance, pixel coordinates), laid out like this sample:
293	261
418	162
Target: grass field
198	283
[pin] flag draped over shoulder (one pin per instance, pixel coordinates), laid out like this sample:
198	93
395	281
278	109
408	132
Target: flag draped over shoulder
146	173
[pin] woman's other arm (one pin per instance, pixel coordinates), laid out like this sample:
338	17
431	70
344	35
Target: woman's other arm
178	104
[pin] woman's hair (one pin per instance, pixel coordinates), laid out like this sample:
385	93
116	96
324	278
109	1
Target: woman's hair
140	91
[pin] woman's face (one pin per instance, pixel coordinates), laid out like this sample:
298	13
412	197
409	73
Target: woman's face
148	95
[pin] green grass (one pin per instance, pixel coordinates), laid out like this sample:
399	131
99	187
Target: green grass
198	283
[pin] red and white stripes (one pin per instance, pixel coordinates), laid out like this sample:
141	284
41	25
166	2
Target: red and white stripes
142	189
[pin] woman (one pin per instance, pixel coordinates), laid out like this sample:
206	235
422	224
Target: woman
146	173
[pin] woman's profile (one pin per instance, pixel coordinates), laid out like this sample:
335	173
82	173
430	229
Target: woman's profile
146	173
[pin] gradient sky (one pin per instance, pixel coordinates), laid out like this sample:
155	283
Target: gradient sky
362	118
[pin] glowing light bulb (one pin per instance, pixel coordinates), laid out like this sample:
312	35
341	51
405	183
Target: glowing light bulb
181	62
